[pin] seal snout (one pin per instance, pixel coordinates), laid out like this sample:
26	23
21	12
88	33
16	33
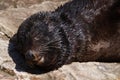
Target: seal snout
29	55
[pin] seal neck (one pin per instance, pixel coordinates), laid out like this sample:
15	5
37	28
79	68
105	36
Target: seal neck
61	44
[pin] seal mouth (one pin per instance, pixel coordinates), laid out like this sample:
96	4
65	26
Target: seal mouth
36	61
40	60
44	62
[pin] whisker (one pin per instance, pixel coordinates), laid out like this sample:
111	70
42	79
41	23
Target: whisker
52	41
54	47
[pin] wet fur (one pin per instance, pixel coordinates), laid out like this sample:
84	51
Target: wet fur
80	30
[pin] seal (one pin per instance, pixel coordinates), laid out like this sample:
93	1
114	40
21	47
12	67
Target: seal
80	30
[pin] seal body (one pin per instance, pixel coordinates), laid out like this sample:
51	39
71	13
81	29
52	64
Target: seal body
80	30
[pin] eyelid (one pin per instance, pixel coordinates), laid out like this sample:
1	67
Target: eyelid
36	38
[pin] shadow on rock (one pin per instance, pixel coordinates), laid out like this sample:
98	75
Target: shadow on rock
20	61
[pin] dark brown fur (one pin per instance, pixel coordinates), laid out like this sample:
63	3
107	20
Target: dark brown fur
81	30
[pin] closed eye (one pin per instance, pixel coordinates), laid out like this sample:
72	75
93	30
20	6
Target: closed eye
36	38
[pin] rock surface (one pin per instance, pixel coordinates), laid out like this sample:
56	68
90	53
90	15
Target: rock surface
10	19
74	71
5	4
12	66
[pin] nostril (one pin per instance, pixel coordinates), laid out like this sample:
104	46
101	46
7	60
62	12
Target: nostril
29	55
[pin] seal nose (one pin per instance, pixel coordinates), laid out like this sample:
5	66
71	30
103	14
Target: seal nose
29	55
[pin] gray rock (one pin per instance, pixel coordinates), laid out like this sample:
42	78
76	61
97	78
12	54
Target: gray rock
6	4
74	71
10	19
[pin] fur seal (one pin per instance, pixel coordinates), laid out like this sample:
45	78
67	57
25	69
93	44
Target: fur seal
80	30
